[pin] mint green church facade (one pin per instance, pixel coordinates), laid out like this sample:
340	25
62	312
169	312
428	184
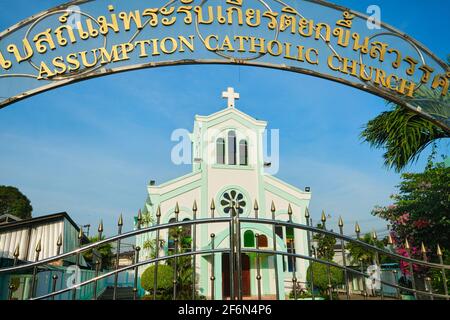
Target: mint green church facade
228	167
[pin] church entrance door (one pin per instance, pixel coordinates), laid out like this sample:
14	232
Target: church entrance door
245	260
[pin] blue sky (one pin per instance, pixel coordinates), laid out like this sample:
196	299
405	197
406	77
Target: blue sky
91	148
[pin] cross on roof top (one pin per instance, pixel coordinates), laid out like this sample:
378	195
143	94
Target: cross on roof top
231	96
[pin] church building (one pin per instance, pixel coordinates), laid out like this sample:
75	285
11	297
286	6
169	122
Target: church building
228	167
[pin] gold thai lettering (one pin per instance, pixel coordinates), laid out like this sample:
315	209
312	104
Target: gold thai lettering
398	60
364	47
91	31
167	12
347	21
441	81
253	17
220	16
343	36
62	41
272	16
199	12
319	34
44	37
5	64
153	14
237	12
412	65
427	71
378	50
235	2
187	11
105	25
131	16
308	25
27	54
288	19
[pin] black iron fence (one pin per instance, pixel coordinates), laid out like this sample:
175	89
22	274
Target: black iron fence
420	286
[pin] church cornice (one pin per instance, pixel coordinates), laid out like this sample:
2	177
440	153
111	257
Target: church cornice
174	184
231	111
283	187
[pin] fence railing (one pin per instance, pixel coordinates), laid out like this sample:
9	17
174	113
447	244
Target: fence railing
93	282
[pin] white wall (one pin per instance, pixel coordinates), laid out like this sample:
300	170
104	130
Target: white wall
47	233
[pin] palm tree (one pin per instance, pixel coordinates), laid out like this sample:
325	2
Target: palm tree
403	133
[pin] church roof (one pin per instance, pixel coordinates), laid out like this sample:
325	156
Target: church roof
228	111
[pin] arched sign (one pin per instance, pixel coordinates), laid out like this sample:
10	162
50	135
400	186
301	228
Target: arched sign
85	39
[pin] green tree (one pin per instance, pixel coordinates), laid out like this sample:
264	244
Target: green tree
437	279
184	268
105	251
14	202
404	134
325	244
359	253
182	241
421	210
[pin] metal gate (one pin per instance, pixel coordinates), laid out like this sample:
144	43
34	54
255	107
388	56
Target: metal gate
352	275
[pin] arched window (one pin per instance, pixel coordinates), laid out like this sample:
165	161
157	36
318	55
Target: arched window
171	233
262	241
186	237
279	231
220	151
231	148
243	153
290	238
249	239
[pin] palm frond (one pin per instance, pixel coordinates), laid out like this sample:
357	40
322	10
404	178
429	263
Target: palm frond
404	134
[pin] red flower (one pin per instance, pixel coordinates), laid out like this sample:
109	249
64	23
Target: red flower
403	219
404	265
421	224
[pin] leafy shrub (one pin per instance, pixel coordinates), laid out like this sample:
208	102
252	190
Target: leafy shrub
321	277
165	278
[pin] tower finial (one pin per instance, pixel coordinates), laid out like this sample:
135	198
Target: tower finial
231	96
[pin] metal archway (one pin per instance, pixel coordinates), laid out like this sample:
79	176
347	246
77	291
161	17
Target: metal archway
84	39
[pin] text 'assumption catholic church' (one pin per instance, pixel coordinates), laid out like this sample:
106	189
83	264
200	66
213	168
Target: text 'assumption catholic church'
228	170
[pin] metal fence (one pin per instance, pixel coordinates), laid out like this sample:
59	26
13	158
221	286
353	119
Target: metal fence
354	283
